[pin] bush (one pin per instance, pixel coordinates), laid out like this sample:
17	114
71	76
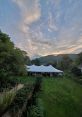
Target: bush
5	100
76	71
37	110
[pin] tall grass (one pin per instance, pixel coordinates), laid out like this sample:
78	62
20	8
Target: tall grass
5	100
62	97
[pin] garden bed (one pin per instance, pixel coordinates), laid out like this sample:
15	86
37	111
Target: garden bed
7	83
18	105
26	102
7	97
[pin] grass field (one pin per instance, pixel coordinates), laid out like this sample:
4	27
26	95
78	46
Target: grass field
61	97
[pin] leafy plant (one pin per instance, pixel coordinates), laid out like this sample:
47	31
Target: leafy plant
5	100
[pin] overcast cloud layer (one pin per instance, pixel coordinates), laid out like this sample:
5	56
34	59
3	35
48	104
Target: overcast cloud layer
42	27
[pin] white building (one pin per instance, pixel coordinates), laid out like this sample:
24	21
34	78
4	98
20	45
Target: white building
43	70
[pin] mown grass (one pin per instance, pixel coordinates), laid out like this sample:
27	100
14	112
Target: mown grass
62	97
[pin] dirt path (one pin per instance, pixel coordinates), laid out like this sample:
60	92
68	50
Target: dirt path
18	87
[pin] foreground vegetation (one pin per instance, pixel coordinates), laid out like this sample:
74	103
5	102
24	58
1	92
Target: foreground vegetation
12	99
62	97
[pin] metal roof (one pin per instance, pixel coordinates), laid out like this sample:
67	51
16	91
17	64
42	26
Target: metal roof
42	68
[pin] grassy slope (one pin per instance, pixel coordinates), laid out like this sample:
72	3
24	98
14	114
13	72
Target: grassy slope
62	98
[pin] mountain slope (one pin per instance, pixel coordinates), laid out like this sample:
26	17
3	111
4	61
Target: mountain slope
53	58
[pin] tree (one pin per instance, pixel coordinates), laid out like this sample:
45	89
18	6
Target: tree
36	62
11	58
79	59
76	71
54	64
65	63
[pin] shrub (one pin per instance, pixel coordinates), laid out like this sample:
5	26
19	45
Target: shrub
76	71
5	100
37	110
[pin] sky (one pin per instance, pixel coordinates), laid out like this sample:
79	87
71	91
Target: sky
43	27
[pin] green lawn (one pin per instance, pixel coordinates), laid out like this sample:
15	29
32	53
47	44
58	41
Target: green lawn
61	97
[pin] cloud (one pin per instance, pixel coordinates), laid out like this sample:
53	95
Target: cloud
30	12
51	23
57	32
34	41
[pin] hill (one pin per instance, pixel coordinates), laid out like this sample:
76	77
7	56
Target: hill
53	58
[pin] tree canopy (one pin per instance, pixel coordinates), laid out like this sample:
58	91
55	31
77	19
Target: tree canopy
12	59
65	63
36	62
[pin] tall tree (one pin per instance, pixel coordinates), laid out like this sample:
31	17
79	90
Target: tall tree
66	62
36	62
11	58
